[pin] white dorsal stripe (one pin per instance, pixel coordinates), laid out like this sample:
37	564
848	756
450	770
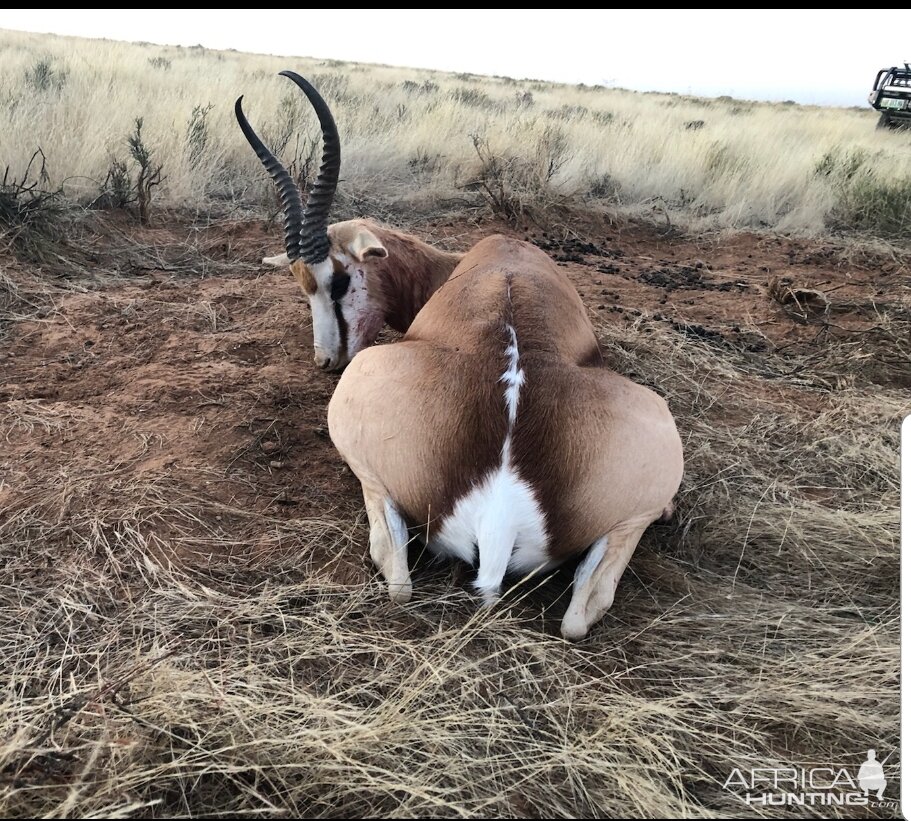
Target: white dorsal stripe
499	521
514	377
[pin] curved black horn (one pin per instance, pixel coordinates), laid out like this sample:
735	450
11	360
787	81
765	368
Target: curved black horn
314	240
287	190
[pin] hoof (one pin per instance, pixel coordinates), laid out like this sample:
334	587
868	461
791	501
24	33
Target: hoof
573	629
400	593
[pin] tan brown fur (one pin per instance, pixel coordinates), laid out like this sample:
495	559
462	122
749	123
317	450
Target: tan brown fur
303	276
423	421
402	279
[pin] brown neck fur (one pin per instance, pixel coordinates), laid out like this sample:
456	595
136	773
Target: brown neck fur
408	277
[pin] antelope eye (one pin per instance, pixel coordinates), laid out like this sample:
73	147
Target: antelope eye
339	288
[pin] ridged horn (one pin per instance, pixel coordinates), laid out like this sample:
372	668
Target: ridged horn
314	239
287	189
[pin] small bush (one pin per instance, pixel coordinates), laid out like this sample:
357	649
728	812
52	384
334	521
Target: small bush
148	174
525	99
511	183
423	162
427	87
288	120
604	187
875	206
551	154
197	136
472	97
29	208
162	63
42	76
116	189
293	132
568	112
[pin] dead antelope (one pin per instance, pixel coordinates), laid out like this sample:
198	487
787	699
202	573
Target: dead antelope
357	275
494	427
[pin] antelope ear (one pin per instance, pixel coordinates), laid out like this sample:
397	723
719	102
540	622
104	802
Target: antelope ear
365	244
280	261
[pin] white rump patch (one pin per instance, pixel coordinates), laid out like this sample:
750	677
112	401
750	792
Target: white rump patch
499	521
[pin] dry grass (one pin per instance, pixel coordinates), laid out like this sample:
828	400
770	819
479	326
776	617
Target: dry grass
761	628
409	136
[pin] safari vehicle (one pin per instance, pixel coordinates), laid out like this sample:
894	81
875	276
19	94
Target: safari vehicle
891	96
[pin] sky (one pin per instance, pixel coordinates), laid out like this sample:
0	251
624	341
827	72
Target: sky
823	57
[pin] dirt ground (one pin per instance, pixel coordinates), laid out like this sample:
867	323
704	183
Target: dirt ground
158	401
206	379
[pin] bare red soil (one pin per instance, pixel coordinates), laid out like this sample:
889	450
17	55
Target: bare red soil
197	375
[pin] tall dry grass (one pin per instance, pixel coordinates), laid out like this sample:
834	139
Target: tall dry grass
408	138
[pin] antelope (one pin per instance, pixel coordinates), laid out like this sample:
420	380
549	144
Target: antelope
357	275
494	427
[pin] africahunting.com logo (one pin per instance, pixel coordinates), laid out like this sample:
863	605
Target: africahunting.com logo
813	786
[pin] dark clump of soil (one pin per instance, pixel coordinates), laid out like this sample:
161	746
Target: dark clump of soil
573	249
691	277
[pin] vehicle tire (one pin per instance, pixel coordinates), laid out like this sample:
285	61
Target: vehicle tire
885	121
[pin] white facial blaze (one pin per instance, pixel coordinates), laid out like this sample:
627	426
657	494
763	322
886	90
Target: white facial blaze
325	325
362	320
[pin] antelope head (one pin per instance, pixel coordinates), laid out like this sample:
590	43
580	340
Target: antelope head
333	264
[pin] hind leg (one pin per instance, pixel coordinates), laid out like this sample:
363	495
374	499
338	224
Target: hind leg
597	577
388	543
